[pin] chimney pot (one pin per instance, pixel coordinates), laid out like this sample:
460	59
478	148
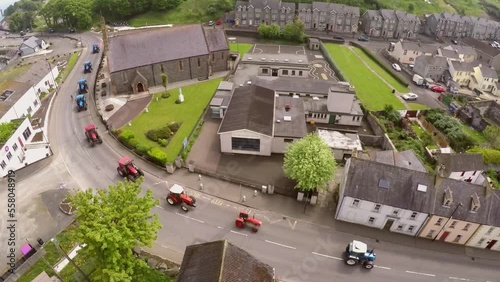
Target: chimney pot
287	107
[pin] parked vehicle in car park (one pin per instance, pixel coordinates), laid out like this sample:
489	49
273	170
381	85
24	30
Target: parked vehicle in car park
454	41
410	97
438	89
396	67
363	38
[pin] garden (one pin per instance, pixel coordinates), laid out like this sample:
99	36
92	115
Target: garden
160	132
373	93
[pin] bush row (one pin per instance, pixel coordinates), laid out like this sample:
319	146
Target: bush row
193	137
336	69
450	127
380	63
154	154
162	135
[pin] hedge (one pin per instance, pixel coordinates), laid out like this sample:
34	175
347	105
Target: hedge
326	55
157	156
380	63
490	156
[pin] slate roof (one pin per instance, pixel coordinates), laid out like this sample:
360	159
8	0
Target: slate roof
494	213
364	176
436	61
461	193
294	85
406	159
216	40
340	103
305	6
415	46
404	16
157	45
388	14
461	162
252	108
19	89
481	46
222	261
31	42
462	49
464	66
297	126
450	54
273	4
35	73
489	72
372	13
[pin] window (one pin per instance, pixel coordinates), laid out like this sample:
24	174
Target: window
14	147
457	238
35	103
430	234
411	228
453	224
9	155
413	215
181	67
29	110
463	172
490	230
395	212
467	226
353	118
199	62
284	72
400	227
480	241
371	220
245	144
288	140
265	71
377	208
27	133
300	73
293	72
355	203
439	221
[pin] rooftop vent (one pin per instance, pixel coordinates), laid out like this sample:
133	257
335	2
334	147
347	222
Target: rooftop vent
249	82
422	188
300	61
262	59
278	121
287	107
447	198
287	118
382	183
475	204
250	58
296	97
286	60
316	98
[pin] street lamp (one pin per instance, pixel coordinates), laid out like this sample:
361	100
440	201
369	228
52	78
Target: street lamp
451	216
56	243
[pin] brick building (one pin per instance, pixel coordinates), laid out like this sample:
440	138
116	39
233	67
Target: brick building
136	59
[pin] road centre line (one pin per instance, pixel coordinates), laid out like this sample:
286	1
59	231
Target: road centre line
382	267
200	221
235	232
160	207
278	244
420	273
326	256
461	279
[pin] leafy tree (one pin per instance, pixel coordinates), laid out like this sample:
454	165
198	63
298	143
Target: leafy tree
492	134
272	31
294	31
164	80
411	7
310	162
111	223
216	6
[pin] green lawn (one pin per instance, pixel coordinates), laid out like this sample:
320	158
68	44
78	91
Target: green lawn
371	91
164	111
12	72
189	11
418	130
474	134
417	106
71	63
242	48
382	72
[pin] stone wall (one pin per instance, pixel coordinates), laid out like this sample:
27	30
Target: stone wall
437	135
493	112
376	127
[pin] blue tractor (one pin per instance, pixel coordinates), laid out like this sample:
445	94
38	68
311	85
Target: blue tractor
87	67
82	86
95	49
81	102
357	252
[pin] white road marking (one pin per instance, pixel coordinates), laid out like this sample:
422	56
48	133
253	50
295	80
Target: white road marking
461	279
200	221
326	256
160	207
292	225
382	267
220	227
420	273
278	244
235	232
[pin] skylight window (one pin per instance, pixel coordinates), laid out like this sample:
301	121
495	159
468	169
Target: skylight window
384	184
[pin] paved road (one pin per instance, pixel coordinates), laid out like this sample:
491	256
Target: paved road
299	251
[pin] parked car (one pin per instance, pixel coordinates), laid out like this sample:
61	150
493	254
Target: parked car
363	38
410	97
396	67
338	37
211	23
438	89
454	42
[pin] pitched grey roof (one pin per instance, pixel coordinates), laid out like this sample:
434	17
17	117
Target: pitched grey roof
222	261
462	192
35	73
364	176
19	89
461	162
489	72
252	108
462	49
406	159
464	66
322	6
481	46
216	40
372	13
287	5
494	213
388	14
340	103
450	54
273	4
297	126
404	16
416	46
305	6
434	60
143	48
293	85
31	42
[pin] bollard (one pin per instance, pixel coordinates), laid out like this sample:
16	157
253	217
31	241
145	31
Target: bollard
255	193
244	198
201	186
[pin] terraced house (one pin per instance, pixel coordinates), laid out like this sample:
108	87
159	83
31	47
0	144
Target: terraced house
329	17
448	25
255	12
484	29
390	24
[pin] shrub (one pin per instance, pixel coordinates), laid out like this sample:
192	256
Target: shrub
163	142
157	156
143	148
165	95
174	126
490	156
177	101
152	135
156	134
133	142
126	135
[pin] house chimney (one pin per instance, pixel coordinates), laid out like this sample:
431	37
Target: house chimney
287	107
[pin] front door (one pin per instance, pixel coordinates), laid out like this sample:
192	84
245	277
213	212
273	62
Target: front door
331	120
491	244
274	72
443	237
140	87
388	224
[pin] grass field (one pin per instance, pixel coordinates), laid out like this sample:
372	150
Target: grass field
71	63
164	111
475	135
189	11
417	106
382	72
242	48
371	91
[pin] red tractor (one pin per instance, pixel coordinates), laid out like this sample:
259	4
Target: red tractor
243	220
92	135
177	195
127	168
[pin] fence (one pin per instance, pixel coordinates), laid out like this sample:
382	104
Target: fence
441	139
326	55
